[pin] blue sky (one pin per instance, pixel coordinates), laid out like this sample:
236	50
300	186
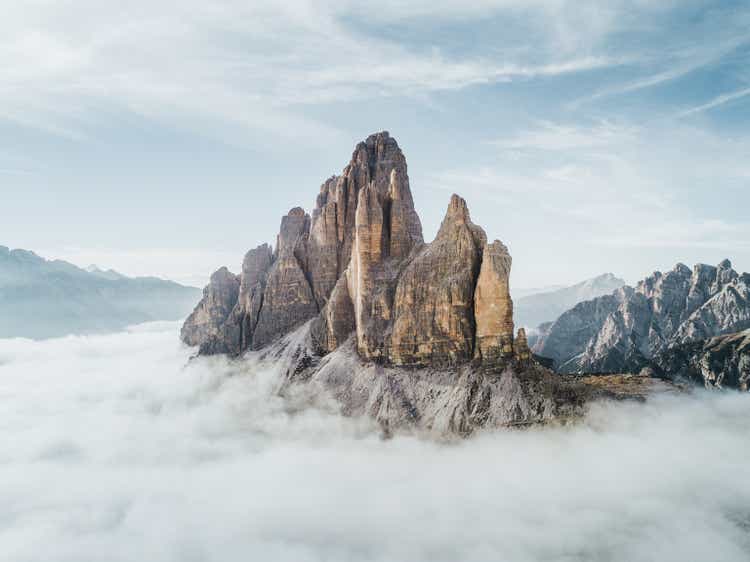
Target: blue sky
167	138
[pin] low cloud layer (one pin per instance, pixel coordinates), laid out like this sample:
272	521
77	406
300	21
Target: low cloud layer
116	448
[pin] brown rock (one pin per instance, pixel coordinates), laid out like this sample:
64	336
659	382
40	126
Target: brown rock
370	313
207	325
521	346
336	321
288	299
493	308
434	302
255	268
360	265
379	164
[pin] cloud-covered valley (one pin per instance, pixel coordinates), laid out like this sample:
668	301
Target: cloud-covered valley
119	448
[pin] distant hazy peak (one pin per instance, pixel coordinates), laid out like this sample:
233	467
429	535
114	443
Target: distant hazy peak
547	305
42	298
105	273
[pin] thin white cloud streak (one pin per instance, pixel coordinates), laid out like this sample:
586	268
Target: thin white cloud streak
243	66
716	102
679	63
117	448
558	137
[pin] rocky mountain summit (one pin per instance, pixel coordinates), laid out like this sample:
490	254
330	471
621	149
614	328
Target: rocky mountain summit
357	304
546	306
624	331
359	266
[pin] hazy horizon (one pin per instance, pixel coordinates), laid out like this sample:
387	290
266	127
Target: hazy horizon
167	140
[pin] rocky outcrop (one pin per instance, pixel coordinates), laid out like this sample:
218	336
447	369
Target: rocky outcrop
288	299
493	306
359	268
521	346
378	165
625	330
255	268
207	326
719	362
434	300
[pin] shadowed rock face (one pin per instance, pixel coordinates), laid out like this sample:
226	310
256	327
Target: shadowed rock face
720	362
624	331
288	298
207	326
360	266
255	268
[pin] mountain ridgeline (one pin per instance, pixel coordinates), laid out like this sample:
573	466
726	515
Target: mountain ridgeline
656	324
540	307
42	298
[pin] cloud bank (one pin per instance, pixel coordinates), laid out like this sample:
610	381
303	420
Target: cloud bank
115	448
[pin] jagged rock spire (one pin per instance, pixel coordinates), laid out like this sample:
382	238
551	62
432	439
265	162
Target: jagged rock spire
434	302
359	265
288	299
379	165
207	325
493	307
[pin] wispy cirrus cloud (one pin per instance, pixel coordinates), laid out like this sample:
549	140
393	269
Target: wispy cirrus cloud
247	66
716	102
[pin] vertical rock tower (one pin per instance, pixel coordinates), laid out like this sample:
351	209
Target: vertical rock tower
493	307
359	267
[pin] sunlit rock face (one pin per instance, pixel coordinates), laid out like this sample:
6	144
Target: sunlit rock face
359	267
434	304
493	305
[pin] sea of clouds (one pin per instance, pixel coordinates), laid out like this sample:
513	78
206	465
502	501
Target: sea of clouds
118	448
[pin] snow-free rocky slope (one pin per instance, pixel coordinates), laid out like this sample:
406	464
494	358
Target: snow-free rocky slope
363	310
625	331
534	309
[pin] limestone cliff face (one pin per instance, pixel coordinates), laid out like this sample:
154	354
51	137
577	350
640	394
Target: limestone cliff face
207	326
359	268
378	165
255	268
434	301
493	305
288	299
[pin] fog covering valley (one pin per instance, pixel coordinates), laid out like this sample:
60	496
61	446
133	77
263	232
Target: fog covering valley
118	447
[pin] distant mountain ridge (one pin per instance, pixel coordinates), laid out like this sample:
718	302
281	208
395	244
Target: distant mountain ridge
719	362
42	298
624	331
545	306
